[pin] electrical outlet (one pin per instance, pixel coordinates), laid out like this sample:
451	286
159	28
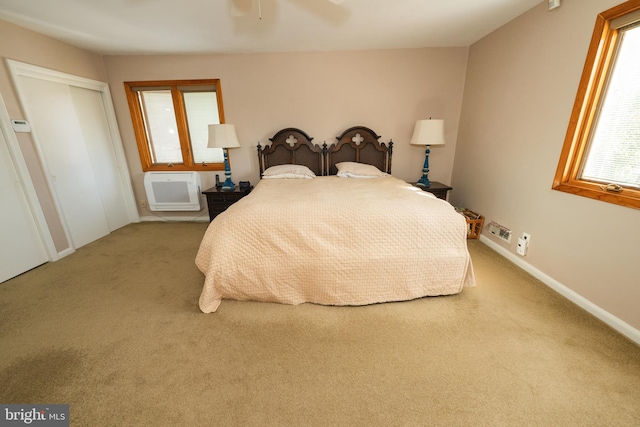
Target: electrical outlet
523	244
521	249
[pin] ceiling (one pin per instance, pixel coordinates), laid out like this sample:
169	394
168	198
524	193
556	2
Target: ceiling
223	26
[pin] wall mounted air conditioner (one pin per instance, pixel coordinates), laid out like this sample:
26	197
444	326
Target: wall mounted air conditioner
173	191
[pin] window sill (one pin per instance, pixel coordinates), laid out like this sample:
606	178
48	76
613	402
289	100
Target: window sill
627	197
214	167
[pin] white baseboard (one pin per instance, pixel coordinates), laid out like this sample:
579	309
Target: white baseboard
159	218
624	328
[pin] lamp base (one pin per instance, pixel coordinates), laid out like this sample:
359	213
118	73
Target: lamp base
228	185
423	182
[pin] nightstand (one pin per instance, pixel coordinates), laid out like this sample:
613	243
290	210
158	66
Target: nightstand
219	200
436	188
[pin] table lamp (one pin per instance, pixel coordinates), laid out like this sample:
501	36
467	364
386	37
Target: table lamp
427	132
224	136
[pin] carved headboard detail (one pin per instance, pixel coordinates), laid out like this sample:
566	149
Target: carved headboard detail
292	146
360	144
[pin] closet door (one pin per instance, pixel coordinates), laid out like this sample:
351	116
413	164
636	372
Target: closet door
21	247
95	130
56	125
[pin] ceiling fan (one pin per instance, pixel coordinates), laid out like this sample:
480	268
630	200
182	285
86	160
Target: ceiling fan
243	7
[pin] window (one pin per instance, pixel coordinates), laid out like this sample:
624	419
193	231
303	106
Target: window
170	121
600	158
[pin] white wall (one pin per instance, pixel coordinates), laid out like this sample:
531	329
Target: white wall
520	89
322	93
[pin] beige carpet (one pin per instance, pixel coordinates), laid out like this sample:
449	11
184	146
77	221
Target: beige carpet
114	330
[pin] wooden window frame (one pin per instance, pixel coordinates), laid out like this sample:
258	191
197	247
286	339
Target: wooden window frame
590	91
181	122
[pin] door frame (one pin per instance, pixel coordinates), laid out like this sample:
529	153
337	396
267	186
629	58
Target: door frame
28	188
20	69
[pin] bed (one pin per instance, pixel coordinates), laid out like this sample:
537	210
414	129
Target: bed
330	225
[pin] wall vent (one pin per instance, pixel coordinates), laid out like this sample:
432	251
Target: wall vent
173	191
500	231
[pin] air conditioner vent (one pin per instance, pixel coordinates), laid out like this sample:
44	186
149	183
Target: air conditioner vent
173	191
500	231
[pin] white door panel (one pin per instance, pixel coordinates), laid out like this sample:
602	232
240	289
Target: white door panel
57	128
95	129
21	247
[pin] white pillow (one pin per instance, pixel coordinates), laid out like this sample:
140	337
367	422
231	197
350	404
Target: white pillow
288	171
358	170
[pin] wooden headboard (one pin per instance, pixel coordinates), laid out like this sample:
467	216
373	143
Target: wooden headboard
292	146
359	144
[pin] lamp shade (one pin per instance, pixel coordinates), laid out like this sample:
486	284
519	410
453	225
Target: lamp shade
428	132
223	136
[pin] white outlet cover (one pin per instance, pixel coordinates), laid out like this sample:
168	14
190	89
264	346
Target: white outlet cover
521	249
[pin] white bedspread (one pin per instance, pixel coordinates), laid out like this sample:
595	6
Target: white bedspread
334	241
